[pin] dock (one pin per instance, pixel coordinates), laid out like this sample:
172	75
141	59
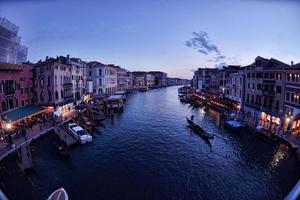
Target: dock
25	159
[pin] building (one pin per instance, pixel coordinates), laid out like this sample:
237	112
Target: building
224	77
122	79
104	77
195	79
78	76
264	93
138	79
15	86
149	80
11	51
160	78
292	99
235	88
53	83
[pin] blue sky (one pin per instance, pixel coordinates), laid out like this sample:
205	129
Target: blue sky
152	35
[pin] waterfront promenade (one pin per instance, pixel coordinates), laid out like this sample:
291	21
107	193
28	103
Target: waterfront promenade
31	134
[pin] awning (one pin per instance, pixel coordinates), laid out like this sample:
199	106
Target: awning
57	113
21	113
115	98
120	92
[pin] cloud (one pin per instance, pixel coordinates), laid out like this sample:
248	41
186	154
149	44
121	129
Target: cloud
217	59
202	44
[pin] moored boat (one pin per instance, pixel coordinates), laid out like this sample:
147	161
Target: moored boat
59	194
234	125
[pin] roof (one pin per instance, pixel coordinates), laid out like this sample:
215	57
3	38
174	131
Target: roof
21	113
120	92
9	66
115	97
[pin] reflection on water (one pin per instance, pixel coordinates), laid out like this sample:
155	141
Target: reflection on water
279	155
147	152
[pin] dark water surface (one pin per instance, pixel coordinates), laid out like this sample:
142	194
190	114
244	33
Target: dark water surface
147	152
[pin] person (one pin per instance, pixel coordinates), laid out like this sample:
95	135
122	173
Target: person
192	117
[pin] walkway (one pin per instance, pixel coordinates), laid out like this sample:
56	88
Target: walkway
31	134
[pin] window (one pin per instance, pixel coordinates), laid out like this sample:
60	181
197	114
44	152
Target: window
247	97
266	75
278	76
253	86
100	72
248	85
49	96
292	97
49	80
289	77
272	76
248	75
277	105
253	75
293	77
278	89
287	96
56	95
258	86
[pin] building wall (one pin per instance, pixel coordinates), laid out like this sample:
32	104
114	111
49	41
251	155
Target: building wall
235	87
53	81
292	99
122	79
15	86
264	92
104	78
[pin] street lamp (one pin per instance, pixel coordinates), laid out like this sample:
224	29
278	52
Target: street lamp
8	126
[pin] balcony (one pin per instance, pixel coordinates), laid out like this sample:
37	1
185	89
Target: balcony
268	92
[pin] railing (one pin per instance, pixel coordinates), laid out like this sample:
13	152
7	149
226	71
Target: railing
294	193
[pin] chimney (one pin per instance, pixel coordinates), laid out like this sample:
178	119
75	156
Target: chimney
292	63
47	57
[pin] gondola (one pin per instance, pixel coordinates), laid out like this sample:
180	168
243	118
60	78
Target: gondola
197	129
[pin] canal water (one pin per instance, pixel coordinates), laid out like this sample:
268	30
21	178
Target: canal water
147	152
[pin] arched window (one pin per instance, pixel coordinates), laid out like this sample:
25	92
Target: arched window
62	94
49	95
56	95
42	96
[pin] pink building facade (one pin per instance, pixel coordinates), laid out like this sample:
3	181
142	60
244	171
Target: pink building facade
16	86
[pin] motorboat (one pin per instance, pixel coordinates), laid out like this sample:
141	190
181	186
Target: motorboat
234	125
79	133
59	194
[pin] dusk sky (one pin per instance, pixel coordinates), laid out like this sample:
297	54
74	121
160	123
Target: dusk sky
158	35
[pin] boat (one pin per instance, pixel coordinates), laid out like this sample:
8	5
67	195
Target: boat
79	133
234	125
59	194
98	116
143	89
198	104
63	150
197	129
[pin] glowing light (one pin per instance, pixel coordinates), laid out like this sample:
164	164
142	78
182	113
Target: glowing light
8	126
288	119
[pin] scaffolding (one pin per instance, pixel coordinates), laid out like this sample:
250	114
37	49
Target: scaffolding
11	51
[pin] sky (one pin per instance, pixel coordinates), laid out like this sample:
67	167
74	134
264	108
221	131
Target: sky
174	36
